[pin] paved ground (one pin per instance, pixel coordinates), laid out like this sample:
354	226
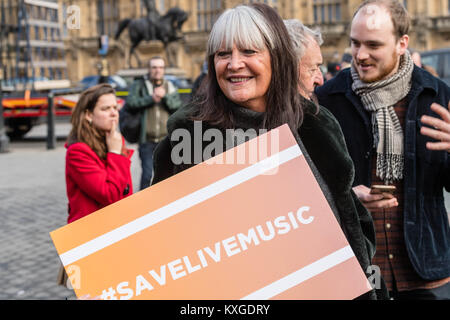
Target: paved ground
33	203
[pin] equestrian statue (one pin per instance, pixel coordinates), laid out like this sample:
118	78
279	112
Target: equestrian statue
166	28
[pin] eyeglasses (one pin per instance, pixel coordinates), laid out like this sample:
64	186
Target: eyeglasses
314	71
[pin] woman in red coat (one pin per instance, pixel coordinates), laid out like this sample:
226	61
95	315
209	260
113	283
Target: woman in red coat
97	161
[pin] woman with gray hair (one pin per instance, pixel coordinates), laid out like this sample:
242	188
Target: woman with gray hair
252	83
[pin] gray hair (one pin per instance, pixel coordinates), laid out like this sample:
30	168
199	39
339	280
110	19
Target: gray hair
301	36
243	26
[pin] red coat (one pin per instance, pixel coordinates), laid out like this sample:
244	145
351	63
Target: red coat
93	183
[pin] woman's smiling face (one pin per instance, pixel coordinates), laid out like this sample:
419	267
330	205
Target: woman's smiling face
244	76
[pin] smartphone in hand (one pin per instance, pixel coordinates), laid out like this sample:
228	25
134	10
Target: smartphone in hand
378	189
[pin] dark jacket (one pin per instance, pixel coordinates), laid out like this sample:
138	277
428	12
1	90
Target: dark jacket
139	99
426	225
330	163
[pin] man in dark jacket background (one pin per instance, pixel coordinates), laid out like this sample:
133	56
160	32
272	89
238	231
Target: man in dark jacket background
156	98
384	105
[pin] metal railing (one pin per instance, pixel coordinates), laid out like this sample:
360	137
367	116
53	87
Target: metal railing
51	137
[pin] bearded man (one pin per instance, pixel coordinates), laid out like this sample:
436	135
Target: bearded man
397	132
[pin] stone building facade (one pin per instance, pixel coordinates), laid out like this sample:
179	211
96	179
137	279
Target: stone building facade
431	28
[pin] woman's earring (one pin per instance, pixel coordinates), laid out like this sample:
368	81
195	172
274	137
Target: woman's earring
90	121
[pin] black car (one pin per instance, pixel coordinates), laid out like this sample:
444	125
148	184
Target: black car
439	60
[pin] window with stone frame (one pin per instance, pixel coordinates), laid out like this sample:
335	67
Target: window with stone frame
327	11
207	13
107	17
162	6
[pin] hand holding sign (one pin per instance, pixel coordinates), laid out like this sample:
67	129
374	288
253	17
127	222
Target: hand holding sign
218	231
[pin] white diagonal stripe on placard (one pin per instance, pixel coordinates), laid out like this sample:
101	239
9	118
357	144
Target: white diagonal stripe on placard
302	274
179	205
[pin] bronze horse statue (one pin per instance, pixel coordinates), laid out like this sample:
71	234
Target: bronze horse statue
166	28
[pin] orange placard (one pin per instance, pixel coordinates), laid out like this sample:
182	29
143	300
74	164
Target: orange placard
254	230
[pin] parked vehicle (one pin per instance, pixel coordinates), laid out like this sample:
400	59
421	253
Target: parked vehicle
183	84
439	60
179	82
23	110
117	82
29	70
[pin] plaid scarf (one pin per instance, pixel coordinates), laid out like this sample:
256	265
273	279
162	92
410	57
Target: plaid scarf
379	98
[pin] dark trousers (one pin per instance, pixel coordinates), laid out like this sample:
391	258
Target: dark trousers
146	155
439	293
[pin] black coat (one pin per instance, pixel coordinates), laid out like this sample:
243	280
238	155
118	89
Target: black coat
326	154
426	173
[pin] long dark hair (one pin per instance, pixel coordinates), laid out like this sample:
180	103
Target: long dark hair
283	100
82	130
